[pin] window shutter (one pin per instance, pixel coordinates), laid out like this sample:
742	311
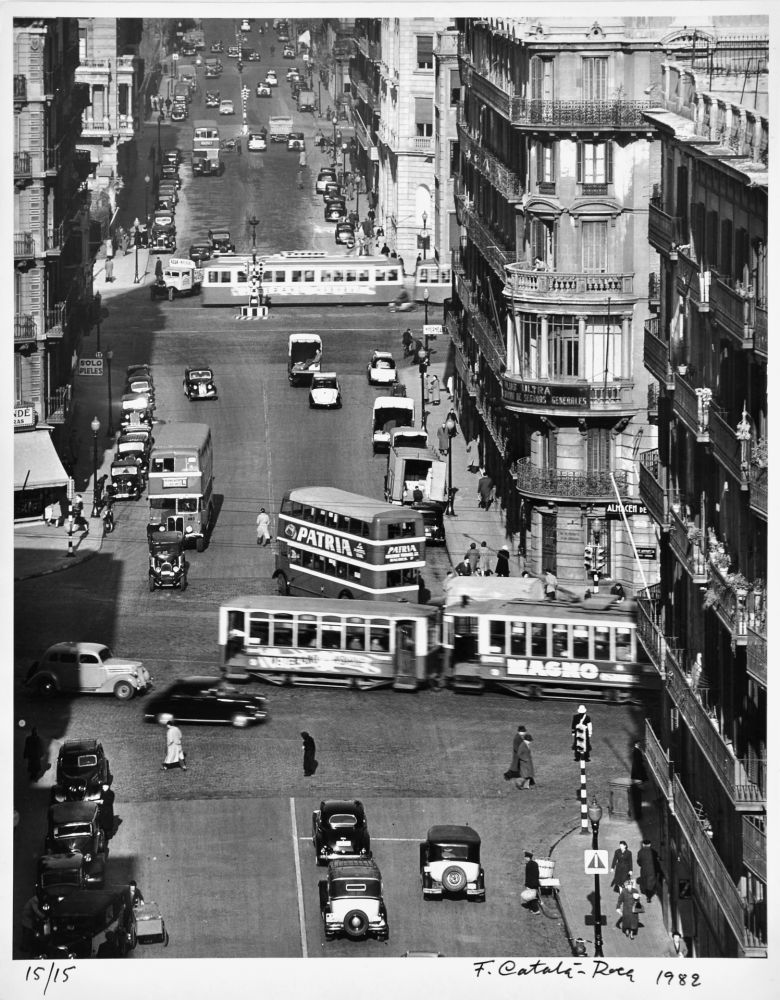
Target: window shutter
580	155
423	111
537	77
424	51
34	290
608	162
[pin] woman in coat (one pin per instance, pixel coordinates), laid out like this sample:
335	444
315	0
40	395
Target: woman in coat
525	763
502	562
648	869
622	865
628	901
174	751
309	750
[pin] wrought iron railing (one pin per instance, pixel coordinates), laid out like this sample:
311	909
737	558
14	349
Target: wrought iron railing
500	176
754	844
734	312
656	498
727	450
656	354
757	654
692	281
565	483
579	114
760	337
24	245
650	628
663	230
685	541
658	761
55	320
486	241
25	327
692	406
759	499
22	165
58	405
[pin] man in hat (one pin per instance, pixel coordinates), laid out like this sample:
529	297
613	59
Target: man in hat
532	882
263	528
581	720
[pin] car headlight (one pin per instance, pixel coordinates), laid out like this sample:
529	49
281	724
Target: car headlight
87	857
188	529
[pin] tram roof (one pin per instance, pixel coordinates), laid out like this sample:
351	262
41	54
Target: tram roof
342	502
544	610
329	605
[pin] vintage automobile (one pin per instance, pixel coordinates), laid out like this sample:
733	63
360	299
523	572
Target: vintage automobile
58	875
220	241
335	211
263	90
332	191
76	925
127	480
339	830
87	668
304	357
326	175
233	51
217	47
169	171
135	410
271	78
199	383
75	826
180	276
408	437
291	73
142	384
173	156
82	770
296	141
245	24
345	234
325	391
165	203
212	98
134	447
381	369
179	113
200	252
213	73
288	52
163	235
168	190
226	107
167	563
351	900
207	699
254	56
139	369
256	142
433	521
449	862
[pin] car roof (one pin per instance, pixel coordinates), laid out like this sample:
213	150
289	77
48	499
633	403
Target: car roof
53	862
82	647
199	368
79	746
452	833
382	354
330	807
354	868
73	812
324	375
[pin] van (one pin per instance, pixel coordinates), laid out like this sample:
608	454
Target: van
279	127
419	470
389	412
304	357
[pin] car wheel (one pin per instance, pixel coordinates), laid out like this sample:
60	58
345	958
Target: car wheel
200	543
454	878
124	691
355	924
282	586
46	687
239	720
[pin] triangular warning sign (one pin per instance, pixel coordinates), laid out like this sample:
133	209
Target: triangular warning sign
595	865
596	862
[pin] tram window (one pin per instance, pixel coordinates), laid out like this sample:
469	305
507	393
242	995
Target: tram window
225	277
444	276
331	632
601	642
356	634
351	275
497	637
560	640
259	629
307	631
338	275
280	277
363	275
380	636
580	642
379	274
392	274
465	625
325	276
623	644
538	639
405	632
283	630
517	638
308	275
242	277
296	276
268	277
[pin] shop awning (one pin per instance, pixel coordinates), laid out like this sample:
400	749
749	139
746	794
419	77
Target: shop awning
37	465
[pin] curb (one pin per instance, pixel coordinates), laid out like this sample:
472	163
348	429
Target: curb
60	569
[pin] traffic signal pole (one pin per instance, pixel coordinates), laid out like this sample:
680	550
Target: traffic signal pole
583	799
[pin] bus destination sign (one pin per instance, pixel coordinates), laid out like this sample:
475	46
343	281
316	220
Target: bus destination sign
401	553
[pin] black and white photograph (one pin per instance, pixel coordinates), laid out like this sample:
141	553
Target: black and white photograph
390	555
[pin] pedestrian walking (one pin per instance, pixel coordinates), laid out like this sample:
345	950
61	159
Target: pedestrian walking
174	751
525	763
622	865
49	515
647	859
263	528
463	568
677	946
531	895
550	584
109	269
485	490
106	816
443	440
581	720
484	560
472	454
310	762
33	752
502	562
629	907
514	767
472	558
78	514
158	270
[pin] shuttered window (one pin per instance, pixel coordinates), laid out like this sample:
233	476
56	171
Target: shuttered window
598	449
594	247
423	116
594	162
594	78
425	52
546	163
542	79
726	247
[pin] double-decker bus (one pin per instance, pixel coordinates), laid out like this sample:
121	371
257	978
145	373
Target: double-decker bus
362	644
304	278
205	143
181	478
337	544
503	633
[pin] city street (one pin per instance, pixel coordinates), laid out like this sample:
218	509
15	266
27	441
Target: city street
225	847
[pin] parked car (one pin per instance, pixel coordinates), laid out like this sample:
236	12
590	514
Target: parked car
216	47
233	51
332	192
291	73
325	391
87	668
212	98
140	368
77	924
170	172
381	369
174	156
220	241
335	211
75	826
140	383
345	234
271	79
263	90
351	900
178	113
82	770
200	252
450	862
57	876
226	107
288	52
254	56
256	142
325	176
433	520
296	141
199	383
339	830
207	699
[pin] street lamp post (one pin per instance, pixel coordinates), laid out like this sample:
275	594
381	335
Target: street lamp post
451	428
159	142
109	359
594	815
425	232
335	122
147	178
254	222
95	425
343	162
425	300
136	279
98	309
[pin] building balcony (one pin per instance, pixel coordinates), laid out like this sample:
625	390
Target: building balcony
55	240
524	284
559	484
685	541
754	844
58	406
489	342
656	355
24	246
414	144
489	93
692	282
93	71
760	341
729	452
714	890
607	115
757	653
663	231
653	395
650	629
733	311
505	181
658	764
92	128
55	321
655	497
729	604
494	422
759	481
485	240
692	406
20	88
22	166
743	780
654	291
25	328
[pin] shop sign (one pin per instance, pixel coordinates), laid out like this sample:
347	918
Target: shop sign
631	508
324	541
90	366
432	330
25	418
547	395
646	551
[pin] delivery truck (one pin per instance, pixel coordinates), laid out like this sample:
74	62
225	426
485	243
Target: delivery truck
279	127
415	475
306	100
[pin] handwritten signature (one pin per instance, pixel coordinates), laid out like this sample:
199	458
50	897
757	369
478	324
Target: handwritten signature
508	967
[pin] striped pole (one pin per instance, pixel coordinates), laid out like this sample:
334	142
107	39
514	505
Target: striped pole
71	553
583	800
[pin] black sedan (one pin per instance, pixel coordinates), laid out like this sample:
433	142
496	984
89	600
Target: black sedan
345	234
206	699
339	830
199	383
200	252
82	770
220	241
335	211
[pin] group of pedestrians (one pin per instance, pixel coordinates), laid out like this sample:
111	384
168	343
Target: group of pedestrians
629	889
476	562
521	767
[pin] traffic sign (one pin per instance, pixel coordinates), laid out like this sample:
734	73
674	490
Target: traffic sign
433	330
90	366
596	862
